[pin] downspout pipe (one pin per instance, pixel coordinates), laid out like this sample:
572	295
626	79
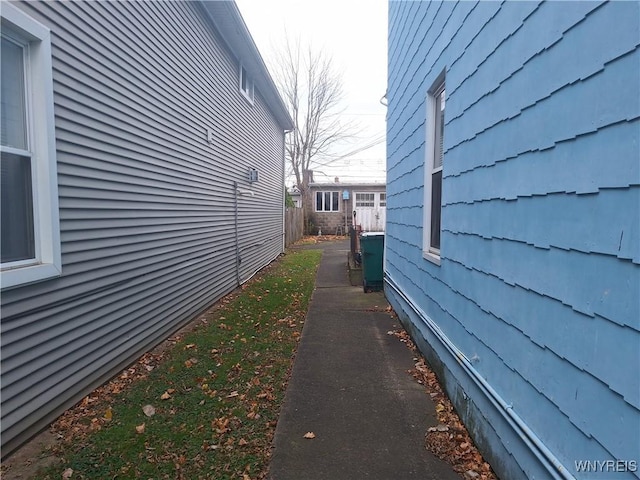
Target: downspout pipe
235	202
539	449
284	193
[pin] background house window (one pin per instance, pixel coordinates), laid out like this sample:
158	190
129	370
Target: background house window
383	199
365	200
246	84
433	169
29	230
327	201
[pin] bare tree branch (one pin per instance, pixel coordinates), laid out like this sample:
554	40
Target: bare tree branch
313	92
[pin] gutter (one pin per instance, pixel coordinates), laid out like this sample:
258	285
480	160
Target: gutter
556	470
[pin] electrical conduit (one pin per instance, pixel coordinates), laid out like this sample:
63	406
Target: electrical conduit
546	457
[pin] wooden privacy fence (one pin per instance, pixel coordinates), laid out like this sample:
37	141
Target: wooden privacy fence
293	225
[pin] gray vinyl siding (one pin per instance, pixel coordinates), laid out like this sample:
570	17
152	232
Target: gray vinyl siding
147	206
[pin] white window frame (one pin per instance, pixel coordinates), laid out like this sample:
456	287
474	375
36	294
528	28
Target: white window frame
41	130
245	78
377	200
324	210
430	252
370	201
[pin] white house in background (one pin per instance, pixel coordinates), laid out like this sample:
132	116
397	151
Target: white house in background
338	206
296	196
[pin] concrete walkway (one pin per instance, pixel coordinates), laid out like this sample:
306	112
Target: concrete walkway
350	387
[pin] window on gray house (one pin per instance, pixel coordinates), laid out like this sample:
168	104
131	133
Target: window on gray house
29	217
327	201
246	84
17	242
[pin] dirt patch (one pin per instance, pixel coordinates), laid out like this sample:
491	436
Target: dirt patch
34	455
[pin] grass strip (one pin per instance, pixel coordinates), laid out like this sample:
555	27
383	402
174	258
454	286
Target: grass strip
212	400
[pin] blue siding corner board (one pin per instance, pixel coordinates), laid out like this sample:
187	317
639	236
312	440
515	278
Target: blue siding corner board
532	317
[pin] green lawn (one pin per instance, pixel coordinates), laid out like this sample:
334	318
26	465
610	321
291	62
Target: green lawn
216	393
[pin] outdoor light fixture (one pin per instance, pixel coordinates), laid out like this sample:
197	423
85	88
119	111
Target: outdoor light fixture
253	175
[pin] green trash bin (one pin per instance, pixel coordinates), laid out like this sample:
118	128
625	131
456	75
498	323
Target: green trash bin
372	251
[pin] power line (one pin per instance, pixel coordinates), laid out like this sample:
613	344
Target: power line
380	135
353	152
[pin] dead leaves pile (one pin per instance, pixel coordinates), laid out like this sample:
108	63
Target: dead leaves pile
449	440
313	239
90	415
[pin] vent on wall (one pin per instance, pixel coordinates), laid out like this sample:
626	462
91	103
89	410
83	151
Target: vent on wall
253	175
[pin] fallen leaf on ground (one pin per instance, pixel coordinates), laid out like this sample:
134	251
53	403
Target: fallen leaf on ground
68	473
439	428
191	362
165	396
220	425
108	415
309	435
149	410
140	428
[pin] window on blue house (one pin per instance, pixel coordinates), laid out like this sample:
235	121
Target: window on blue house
327	201
433	169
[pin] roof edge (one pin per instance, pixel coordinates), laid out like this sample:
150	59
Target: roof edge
227	19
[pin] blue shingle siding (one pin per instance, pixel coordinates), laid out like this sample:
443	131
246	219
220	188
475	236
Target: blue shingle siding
539	280
147	205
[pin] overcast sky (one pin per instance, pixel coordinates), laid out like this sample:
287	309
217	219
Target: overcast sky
354	34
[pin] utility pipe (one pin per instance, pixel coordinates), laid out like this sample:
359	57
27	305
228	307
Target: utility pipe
236	192
284	192
539	449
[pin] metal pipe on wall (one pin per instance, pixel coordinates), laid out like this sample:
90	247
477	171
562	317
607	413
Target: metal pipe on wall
555	468
235	198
